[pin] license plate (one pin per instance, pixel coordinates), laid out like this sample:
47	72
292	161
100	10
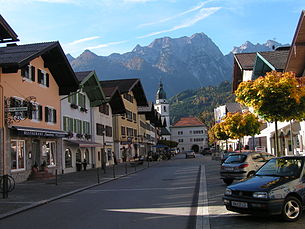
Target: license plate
229	169
239	204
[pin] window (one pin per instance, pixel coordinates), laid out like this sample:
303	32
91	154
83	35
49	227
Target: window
35	112
134	117
68	158
191	132
17	154
128	97
78	126
50	115
129	132
180	140
99	129
28	72
104	108
68	124
123	130
43	78
180	132
191	139
135	133
129	115
164	108
73	98
49	153
86	127
82	100
108	131
16	102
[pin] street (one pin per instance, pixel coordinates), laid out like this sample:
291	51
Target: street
163	196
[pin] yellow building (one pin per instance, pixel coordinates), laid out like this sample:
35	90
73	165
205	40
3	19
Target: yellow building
126	126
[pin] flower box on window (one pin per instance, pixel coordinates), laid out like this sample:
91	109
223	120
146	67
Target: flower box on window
74	106
70	134
79	135
83	109
87	136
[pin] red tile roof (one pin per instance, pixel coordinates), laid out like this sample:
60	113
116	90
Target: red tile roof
188	121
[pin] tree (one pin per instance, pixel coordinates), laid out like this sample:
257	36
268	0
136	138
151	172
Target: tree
217	133
168	143
274	97
239	124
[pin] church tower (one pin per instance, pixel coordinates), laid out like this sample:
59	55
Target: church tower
162	106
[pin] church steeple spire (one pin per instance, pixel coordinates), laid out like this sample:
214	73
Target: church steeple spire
160	93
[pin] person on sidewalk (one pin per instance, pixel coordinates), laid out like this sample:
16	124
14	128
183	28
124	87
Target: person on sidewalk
85	164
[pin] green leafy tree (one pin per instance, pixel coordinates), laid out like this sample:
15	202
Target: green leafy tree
168	143
275	97
217	133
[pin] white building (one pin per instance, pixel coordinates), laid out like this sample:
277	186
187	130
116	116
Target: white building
79	146
190	133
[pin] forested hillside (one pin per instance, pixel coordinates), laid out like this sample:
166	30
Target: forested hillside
200	102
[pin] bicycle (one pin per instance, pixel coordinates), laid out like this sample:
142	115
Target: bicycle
10	183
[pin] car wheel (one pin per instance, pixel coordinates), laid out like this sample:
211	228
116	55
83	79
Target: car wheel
250	174
228	181
292	209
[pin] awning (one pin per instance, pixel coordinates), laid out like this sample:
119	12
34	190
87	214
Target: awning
84	144
30	131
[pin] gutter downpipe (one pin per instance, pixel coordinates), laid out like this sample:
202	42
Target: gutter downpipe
3	125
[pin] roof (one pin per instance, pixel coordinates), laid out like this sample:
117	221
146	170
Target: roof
7	34
233	107
160	93
126	85
245	60
188	121
296	56
90	84
164	131
114	98
151	114
277	58
15	57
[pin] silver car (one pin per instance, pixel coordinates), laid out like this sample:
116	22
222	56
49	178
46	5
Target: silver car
240	165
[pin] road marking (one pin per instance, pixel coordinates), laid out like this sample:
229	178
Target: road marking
202	219
176	211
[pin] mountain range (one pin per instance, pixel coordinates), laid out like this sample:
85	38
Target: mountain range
181	63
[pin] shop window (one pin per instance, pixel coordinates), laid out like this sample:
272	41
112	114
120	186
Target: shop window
17	154
68	158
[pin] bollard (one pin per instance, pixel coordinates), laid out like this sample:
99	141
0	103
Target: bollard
56	183
113	170
98	175
5	186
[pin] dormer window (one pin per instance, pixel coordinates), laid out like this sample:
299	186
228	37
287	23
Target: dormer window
28	72
43	77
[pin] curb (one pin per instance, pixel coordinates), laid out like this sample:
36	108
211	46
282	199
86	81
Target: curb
43	202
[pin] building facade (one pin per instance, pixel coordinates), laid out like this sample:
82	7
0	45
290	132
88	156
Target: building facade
190	133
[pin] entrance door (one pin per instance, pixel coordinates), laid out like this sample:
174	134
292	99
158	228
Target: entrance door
36	152
195	148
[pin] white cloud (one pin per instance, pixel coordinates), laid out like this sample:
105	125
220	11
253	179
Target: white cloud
106	45
203	13
199	6
83	40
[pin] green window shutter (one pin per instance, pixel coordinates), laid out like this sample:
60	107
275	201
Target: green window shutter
74	126
33	70
65	123
69	98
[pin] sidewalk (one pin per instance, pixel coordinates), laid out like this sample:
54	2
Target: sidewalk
34	193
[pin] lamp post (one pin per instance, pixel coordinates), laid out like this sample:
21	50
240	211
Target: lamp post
104	151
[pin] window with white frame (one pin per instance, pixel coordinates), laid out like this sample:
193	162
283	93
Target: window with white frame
50	115
17	154
28	72
43	77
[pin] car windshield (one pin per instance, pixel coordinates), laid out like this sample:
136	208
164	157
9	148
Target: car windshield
236	158
281	167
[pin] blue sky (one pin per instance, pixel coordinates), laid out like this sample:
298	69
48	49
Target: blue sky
117	26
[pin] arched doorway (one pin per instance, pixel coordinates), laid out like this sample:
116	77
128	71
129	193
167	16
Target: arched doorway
68	158
195	148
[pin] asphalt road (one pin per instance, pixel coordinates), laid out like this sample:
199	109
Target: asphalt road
164	196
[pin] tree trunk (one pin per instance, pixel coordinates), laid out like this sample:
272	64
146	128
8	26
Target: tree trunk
277	152
291	138
239	145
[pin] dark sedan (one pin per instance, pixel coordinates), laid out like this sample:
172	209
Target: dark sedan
277	188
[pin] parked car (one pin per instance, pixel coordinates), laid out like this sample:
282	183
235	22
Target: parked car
224	156
240	165
277	188
190	154
206	151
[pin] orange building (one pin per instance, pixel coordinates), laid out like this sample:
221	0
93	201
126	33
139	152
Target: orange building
33	77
